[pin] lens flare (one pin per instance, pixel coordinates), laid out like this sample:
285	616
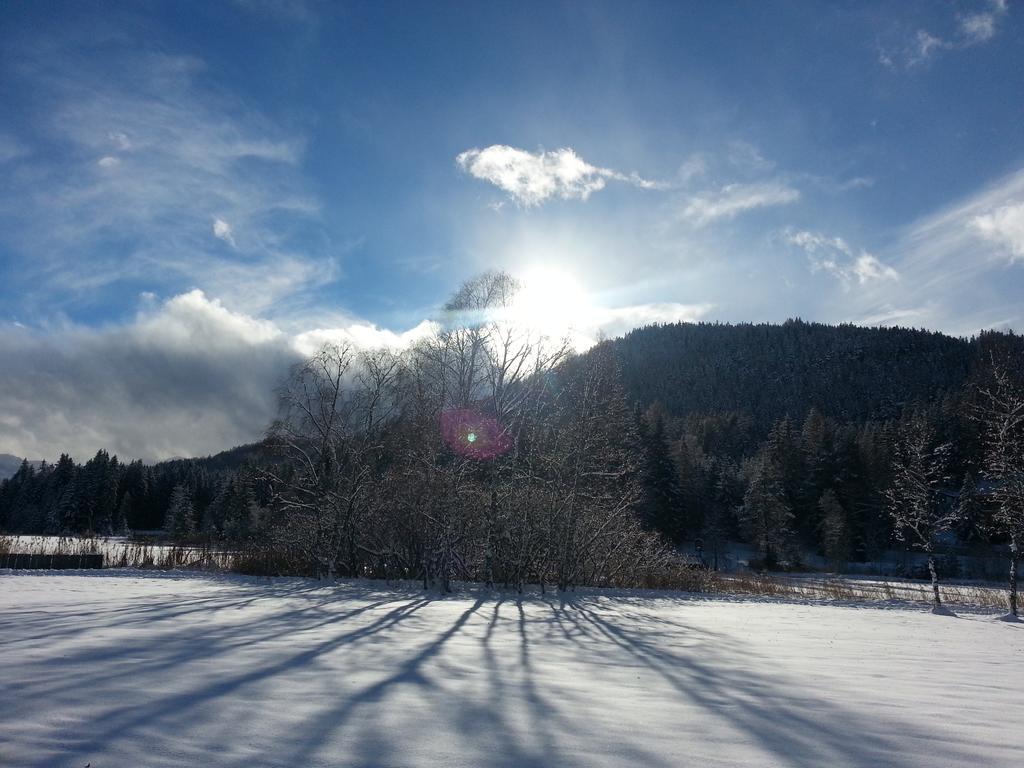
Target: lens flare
473	434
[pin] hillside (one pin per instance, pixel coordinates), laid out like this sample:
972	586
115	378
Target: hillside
847	372
9	465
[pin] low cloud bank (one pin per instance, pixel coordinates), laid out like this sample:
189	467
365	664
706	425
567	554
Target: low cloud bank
186	377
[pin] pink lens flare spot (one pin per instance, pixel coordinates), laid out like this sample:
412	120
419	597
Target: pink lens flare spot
473	434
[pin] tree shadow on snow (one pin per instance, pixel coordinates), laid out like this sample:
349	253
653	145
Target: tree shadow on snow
478	669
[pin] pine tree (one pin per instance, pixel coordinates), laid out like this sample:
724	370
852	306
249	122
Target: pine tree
766	516
124	513
69	509
238	509
179	521
215	512
835	530
106	503
814	455
718	516
661	505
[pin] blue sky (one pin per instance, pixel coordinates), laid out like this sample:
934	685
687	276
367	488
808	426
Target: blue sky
182	179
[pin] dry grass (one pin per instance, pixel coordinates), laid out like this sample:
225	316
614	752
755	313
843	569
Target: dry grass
121	553
823	588
838	589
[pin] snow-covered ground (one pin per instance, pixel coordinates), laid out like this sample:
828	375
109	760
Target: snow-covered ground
128	668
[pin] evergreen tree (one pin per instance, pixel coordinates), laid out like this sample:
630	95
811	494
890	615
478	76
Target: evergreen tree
106	503
814	472
216	510
239	509
766	516
661	505
124	514
718	518
835	530
179	522
69	509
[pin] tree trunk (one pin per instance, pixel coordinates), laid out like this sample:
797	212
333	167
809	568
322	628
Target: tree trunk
492	514
1014	559
935	579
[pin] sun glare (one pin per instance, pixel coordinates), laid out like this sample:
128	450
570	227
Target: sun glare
551	301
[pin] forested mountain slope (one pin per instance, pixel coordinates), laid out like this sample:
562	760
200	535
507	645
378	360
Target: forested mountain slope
10	464
847	372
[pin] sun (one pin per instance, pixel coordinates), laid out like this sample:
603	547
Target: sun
551	301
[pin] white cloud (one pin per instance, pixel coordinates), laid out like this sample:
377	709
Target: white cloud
981	27
868	268
734	199
189	376
888	315
362	335
747	157
694	166
978	27
222	231
973	29
616	321
835	256
924	46
979	233
857	182
185	377
958	266
531	178
596	322
1005	227
191	319
120	140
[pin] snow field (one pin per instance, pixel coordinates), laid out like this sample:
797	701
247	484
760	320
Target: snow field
130	668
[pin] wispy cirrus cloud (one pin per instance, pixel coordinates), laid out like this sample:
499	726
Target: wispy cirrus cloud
923	46
734	199
531	178
960	267
835	256
981	232
137	162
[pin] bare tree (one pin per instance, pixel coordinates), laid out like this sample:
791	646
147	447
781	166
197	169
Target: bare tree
477	454
584	470
1001	413
485	368
919	509
332	410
